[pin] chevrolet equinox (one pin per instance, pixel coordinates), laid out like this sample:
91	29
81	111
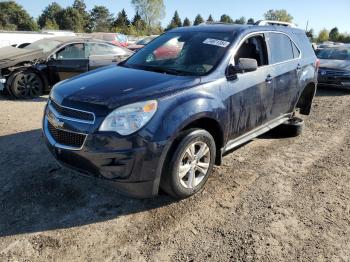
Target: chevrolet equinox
166	115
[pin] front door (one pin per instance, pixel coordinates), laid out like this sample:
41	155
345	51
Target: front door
251	92
69	61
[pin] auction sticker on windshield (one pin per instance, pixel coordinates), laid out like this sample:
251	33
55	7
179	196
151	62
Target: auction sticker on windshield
216	42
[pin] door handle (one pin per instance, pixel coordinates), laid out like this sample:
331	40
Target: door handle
268	79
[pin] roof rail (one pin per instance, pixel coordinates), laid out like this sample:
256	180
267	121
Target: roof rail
213	23
271	22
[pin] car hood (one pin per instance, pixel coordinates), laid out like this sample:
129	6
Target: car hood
10	56
105	89
335	64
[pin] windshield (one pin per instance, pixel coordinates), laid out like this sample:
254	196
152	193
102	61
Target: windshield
45	44
182	53
334	53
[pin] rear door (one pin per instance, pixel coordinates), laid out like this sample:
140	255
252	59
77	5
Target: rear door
103	54
67	62
284	58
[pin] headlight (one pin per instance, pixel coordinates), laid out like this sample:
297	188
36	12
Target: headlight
128	119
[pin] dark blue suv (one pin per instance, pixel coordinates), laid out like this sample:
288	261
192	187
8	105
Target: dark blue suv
165	116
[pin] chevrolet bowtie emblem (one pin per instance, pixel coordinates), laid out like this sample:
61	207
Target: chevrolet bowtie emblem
56	122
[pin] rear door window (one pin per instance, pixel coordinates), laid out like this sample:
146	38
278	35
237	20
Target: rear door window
281	48
104	49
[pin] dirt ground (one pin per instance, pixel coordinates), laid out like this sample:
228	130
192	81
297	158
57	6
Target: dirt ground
271	200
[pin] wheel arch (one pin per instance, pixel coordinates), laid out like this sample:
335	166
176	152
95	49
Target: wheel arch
305	99
20	68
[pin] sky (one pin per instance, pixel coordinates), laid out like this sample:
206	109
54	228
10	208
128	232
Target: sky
320	14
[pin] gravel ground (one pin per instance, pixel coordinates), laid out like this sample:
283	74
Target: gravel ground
271	200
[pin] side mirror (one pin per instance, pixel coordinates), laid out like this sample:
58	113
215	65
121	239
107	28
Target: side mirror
244	65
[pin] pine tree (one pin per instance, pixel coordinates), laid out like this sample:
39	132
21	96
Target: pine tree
175	21
251	21
210	19
187	22
226	19
138	23
121	20
198	20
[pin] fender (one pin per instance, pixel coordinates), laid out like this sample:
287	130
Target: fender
180	112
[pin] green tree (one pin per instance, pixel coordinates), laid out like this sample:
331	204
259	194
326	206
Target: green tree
138	23
251	21
344	38
50	25
122	20
186	22
323	36
47	18
71	19
334	34
80	6
310	33
240	20
84	16
100	19
278	15
210	19
226	19
198	20
151	11
175	21
14	17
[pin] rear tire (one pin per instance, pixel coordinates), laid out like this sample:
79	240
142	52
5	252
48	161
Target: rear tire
190	164
291	128
26	84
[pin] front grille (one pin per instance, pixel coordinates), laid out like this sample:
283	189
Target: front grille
72	113
66	138
333	72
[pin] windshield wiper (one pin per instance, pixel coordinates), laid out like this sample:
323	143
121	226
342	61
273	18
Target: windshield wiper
165	70
159	69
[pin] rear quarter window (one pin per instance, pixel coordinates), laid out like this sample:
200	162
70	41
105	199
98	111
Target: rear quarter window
280	47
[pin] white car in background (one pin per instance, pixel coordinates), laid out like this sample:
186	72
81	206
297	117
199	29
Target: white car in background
21	39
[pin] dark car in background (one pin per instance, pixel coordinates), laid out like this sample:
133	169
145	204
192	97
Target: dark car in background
141	43
29	71
164	121
334	66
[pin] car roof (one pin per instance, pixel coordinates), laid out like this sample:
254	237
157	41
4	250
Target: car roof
236	28
68	39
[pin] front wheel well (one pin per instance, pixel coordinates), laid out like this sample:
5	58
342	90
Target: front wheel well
305	100
213	127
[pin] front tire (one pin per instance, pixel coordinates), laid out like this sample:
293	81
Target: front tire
190	164
26	84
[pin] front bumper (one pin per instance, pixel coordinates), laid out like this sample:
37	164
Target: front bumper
132	165
334	81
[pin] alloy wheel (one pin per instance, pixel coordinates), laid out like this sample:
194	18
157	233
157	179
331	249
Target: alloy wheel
194	164
27	85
